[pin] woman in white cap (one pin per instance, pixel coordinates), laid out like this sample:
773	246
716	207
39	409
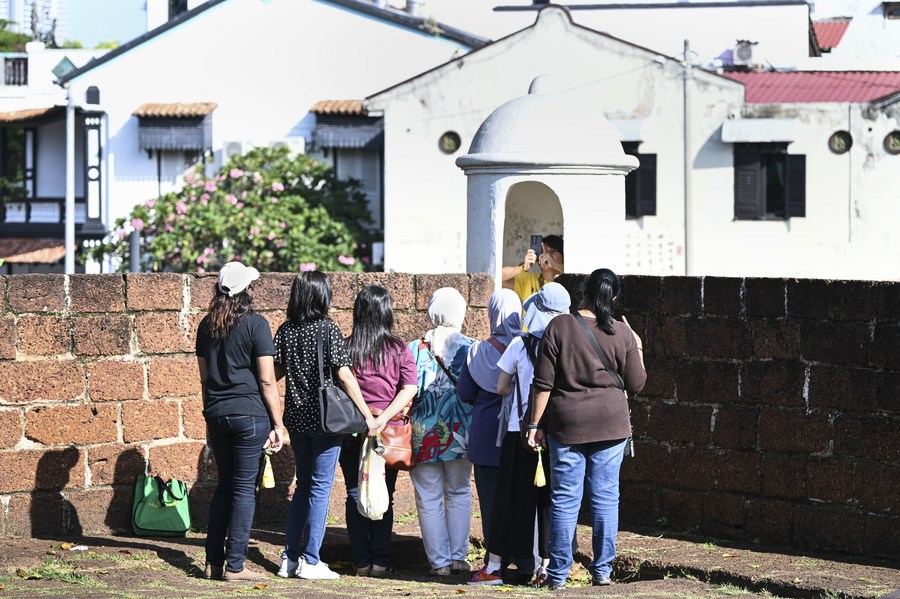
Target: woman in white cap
517	500
242	411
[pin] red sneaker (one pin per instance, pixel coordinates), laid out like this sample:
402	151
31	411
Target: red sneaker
485	577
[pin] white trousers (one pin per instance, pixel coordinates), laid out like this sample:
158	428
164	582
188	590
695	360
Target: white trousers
444	503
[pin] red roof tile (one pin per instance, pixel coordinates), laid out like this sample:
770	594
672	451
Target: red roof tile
816	86
26	114
829	33
349	107
24	250
174	110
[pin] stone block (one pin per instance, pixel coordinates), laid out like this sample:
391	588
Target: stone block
428	284
889	391
101	511
177	460
202	289
660	377
867	437
48	380
574	284
884	353
37	293
476	325
162	333
829	479
641	294
639	503
722	296
784	476
770	521
102	335
76	424
173	376
665	337
111	380
706	381
640	416
881	536
807	298
651	464
877	486
843	388
738	471
194	424
840	343
679	424
11	428
735	428
115	464
680	295
7	338
344	321
828	528
4	285
852	300
717	338
344	287
41	470
273	291
775	339
481	286
796	431
887	301
682	509
149	420
764	298
41	515
410	325
401	286
695	468
723	515
97	293
43	335
154	291
777	382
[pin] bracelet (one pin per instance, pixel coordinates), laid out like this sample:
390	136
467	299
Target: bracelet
532	427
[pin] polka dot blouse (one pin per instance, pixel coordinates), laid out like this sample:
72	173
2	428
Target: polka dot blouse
295	349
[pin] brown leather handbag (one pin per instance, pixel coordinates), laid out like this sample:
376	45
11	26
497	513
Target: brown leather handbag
396	438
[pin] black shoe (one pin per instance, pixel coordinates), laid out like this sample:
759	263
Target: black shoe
553	586
601	581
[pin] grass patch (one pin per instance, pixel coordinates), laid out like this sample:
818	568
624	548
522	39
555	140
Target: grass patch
709	546
408	517
59	571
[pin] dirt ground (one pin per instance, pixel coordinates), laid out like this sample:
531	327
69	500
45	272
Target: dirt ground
650	564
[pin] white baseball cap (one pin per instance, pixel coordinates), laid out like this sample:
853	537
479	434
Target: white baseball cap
235	277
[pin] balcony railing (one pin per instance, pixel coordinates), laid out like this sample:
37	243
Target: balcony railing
15	70
45	217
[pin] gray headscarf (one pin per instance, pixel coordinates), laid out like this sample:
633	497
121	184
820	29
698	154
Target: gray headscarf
505	316
446	313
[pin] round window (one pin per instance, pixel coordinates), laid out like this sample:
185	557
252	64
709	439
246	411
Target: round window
840	142
449	142
892	142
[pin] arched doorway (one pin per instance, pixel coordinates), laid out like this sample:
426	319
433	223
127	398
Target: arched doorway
532	208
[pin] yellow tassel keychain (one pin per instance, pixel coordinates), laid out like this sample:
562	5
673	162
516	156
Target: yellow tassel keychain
539	479
268	478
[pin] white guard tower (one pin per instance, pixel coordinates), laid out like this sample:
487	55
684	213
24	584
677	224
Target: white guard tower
546	163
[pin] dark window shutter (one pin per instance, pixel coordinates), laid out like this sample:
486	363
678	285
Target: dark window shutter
631	183
746	184
646	196
796	185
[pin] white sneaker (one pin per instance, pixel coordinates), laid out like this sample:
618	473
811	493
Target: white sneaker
289	568
319	571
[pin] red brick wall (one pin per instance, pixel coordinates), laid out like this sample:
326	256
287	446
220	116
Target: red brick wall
771	413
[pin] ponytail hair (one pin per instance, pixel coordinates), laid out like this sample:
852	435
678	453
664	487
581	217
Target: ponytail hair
600	291
226	311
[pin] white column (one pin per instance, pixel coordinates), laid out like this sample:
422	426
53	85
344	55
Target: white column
70	184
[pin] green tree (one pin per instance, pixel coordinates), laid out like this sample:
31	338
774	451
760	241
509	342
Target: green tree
267	208
10	41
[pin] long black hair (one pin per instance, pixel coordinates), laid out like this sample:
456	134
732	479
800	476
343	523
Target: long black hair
226	311
310	297
600	291
373	321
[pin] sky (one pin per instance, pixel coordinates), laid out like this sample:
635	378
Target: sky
95	21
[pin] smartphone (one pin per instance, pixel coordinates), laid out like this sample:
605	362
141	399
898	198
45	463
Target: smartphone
536	241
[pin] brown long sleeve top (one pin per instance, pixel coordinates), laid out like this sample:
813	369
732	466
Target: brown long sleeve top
585	404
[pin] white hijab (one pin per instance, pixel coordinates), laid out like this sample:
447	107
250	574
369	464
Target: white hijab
446	312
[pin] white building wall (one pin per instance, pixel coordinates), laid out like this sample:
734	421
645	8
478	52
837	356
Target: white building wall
264	63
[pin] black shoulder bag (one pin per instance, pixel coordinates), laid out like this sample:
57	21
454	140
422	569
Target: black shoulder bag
629	446
338	415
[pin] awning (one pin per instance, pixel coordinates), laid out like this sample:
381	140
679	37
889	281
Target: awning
349	136
758	130
25	250
174	110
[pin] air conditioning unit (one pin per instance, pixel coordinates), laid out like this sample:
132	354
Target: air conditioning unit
235	148
742	55
297	145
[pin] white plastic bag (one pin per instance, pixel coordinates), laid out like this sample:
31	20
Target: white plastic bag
373	500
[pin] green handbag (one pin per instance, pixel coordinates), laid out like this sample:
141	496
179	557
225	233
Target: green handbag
160	508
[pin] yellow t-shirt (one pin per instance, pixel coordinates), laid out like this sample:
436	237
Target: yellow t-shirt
526	284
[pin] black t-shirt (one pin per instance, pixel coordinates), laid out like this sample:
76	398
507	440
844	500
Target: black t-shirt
232	384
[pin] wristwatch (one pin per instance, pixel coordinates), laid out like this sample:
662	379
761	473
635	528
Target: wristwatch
532	427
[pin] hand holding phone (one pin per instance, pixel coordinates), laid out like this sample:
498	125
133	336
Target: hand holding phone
536	243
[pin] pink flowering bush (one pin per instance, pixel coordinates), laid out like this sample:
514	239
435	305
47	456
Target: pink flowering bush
268	208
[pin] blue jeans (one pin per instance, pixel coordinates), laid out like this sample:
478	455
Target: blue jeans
237	443
370	540
571	465
315	457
